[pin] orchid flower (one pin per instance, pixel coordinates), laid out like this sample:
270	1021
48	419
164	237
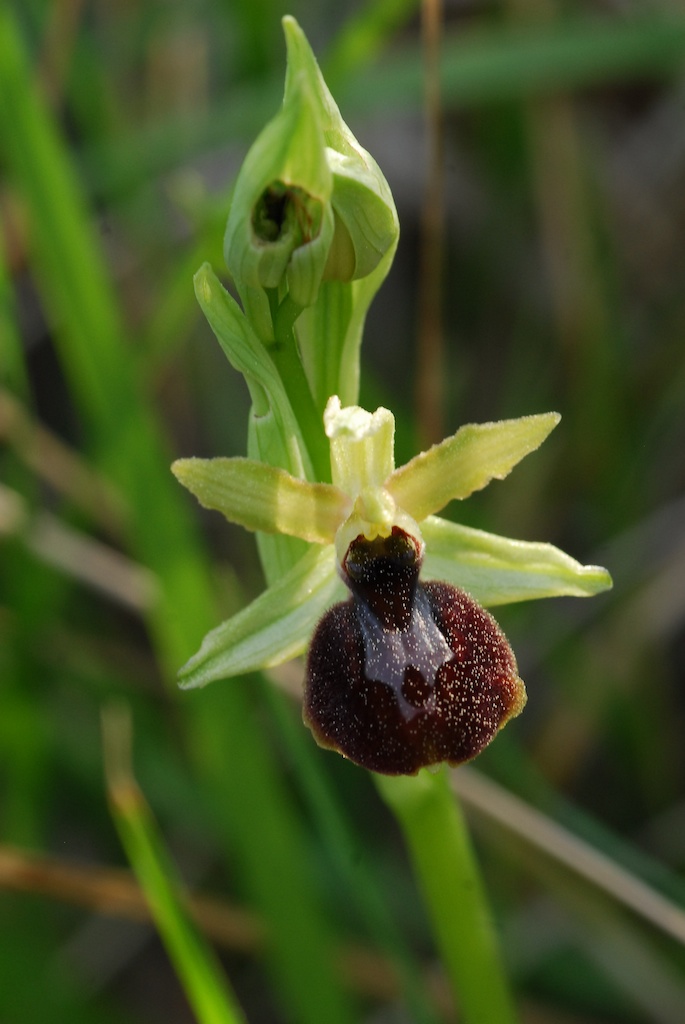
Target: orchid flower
410	670
405	673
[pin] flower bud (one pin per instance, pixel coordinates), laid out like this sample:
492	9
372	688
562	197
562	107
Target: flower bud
310	204
366	223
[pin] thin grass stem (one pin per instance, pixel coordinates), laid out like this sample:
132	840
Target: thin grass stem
194	961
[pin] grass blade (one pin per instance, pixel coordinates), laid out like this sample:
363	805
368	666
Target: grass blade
195	963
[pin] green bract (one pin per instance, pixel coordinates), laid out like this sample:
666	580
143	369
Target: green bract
368	497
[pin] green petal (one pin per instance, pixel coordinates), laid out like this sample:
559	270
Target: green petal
261	497
496	570
466	462
275	627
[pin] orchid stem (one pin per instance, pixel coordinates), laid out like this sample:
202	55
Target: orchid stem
444	861
286	356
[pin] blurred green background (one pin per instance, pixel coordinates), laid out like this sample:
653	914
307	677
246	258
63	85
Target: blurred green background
121	128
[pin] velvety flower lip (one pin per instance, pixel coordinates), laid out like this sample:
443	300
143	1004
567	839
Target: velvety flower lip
368	494
405	675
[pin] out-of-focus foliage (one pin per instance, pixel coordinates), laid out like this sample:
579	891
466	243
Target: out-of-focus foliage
121	129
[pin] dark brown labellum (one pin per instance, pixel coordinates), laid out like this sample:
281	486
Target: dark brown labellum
406	674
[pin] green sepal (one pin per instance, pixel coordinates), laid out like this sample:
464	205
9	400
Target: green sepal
278	554
366	225
466	462
496	570
275	627
261	497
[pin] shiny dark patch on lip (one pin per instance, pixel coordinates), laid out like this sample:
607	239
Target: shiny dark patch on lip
405	675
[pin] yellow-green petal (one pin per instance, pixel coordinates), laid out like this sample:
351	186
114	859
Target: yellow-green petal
466	462
362	446
262	497
275	627
496	570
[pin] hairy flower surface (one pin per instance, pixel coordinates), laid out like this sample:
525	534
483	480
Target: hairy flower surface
407	672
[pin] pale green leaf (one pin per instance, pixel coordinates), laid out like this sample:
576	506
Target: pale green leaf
261	497
248	355
277	552
466	462
275	627
496	570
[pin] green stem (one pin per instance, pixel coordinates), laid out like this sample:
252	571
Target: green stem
285	355
356	874
447	870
